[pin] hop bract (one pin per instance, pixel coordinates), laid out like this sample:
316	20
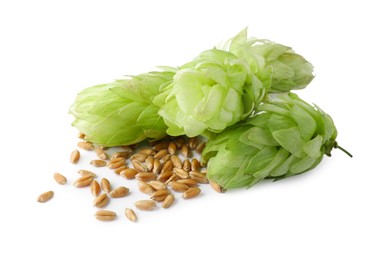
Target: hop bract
286	137
212	92
277	65
121	112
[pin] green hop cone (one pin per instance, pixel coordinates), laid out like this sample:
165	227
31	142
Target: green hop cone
286	137
121	112
278	66
212	92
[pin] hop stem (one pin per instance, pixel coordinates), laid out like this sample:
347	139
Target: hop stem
342	149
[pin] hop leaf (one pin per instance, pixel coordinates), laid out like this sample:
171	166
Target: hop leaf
286	137
276	65
210	93
121	112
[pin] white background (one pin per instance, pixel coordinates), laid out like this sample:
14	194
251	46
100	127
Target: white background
51	50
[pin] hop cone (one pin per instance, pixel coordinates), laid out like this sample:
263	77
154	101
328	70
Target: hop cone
287	137
121	113
277	66
212	92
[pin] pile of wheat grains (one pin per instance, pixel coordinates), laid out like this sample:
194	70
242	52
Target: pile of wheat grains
163	170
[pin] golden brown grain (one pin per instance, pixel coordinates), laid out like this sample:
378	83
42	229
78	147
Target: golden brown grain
166	158
191	193
105	185
181	173
189	182
178	187
160	154
124	154
95	188
199	149
145	188
129	173
164	176
101	154
161	145
167	166
140	157
145	176
101	201
157	166
83	181
116	165
186	165
81	135
199	177
85	173
168	201
86	145
139	166
159	195
75	156
192	143
59	178
119	192
115	160
217	187
146	151
98	163
176	161
149	162
44	197
179	141
173	177
146	205
172	148
128	148
105	215
195	165
130	214
157	185
120	169
185	151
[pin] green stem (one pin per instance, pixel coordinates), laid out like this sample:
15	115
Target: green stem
342	149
